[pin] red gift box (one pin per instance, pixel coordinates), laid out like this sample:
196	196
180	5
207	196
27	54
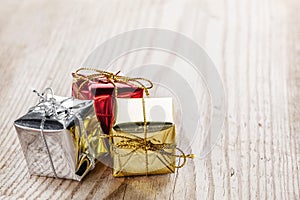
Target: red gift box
101	88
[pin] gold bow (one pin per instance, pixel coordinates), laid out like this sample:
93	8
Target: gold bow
148	145
112	78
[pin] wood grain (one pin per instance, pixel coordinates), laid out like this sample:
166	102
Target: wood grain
254	43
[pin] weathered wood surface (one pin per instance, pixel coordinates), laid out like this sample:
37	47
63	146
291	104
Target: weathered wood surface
255	45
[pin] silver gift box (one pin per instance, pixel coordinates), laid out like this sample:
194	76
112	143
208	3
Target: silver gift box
67	144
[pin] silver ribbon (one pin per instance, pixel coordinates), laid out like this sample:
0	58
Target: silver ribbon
46	146
50	108
54	109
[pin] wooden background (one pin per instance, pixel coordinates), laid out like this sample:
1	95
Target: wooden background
256	47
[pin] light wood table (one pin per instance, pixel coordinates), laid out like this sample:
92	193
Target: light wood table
255	45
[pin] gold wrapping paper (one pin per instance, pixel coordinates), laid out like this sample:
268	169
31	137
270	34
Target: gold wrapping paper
135	155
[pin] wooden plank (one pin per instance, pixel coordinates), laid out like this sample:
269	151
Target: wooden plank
255	45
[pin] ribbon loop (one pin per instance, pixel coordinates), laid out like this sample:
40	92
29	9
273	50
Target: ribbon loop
154	145
112	78
50	106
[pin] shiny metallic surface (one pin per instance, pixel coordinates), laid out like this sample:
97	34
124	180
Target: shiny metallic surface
135	160
72	141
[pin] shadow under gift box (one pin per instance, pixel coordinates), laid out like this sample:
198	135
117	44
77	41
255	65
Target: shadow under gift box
129	144
69	149
102	92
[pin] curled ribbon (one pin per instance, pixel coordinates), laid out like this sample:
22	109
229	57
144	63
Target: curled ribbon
155	145
112	78
50	106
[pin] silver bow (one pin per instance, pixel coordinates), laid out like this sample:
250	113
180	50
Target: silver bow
50	107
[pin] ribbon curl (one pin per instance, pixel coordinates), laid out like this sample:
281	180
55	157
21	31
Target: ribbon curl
50	106
152	144
111	78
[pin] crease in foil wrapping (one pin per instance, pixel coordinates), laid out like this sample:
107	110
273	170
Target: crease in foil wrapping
72	140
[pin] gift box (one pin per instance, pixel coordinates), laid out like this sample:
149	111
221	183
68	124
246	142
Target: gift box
60	137
143	139
103	87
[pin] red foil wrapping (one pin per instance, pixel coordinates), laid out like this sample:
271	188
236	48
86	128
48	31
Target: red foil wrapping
102	92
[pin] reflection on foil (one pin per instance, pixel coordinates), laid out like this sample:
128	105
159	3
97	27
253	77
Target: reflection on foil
72	139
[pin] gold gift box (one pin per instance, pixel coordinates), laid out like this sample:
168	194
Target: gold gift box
135	153
136	156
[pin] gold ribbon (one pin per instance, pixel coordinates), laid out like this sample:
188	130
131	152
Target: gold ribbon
112	78
147	145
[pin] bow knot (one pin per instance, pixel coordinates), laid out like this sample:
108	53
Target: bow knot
140	143
112	78
50	106
152	144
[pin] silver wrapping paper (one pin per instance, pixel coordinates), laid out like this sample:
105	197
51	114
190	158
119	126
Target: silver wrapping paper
71	139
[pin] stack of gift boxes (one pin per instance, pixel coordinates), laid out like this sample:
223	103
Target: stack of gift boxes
109	117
